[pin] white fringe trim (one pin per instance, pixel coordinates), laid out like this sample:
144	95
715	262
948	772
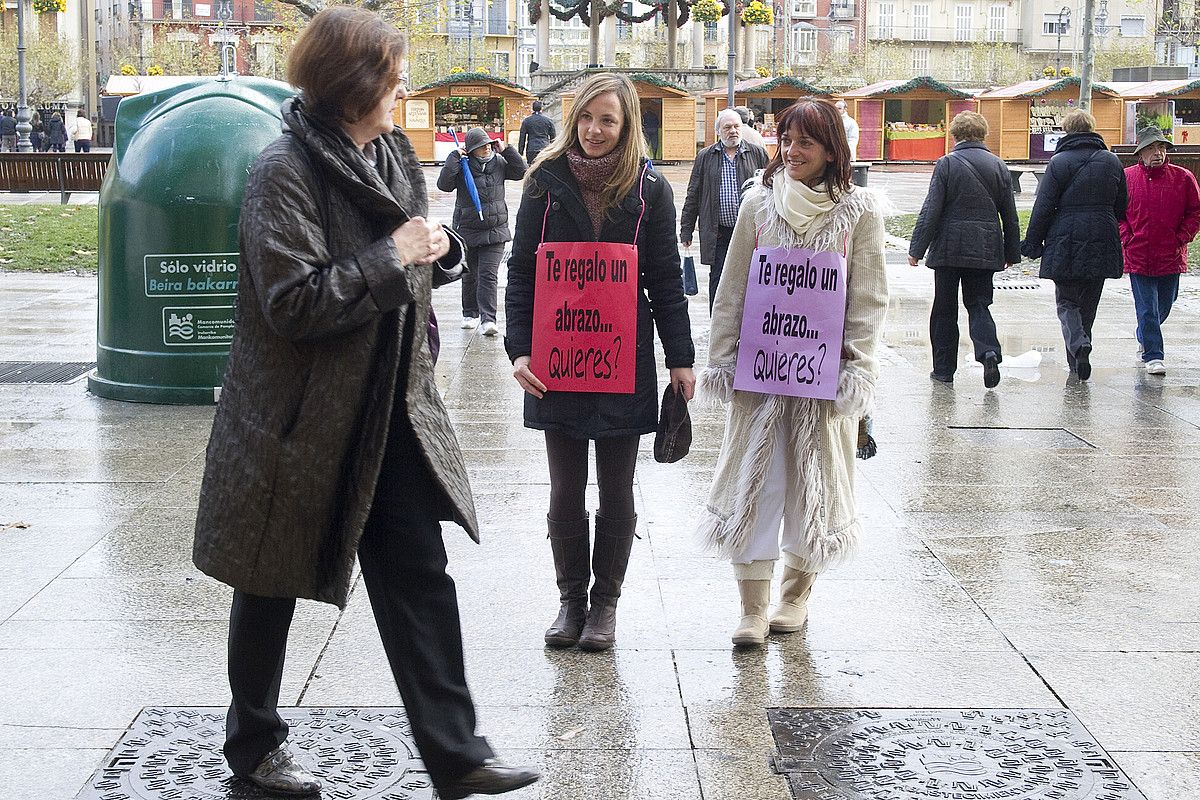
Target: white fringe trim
715	385
855	393
834	546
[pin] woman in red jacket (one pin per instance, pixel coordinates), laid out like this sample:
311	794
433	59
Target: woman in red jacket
1162	218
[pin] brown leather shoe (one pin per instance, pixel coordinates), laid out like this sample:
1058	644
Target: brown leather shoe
571	550
610	559
491	777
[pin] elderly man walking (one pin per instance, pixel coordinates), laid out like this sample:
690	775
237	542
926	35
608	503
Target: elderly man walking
719	176
1162	218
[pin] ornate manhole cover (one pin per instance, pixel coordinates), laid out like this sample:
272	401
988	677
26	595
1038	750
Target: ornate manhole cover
929	754
175	754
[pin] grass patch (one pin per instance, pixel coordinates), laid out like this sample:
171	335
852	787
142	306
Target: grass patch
48	238
902	225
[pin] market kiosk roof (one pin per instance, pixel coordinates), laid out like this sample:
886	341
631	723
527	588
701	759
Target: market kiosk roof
1042	87
503	87
885	88
671	89
784	84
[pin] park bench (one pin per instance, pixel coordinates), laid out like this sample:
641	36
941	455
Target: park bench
1015	171
53	172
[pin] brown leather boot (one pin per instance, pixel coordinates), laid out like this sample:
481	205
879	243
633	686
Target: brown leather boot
569	544
614	540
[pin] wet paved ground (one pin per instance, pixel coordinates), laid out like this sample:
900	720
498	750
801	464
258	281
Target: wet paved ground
1031	547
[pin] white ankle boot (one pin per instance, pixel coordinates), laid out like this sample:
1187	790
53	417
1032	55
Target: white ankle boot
752	630
792	612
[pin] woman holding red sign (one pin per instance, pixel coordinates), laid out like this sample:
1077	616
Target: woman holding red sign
785	458
594	268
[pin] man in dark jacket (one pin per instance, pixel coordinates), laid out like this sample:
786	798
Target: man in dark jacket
485	230
969	227
714	193
537	132
1162	218
8	132
1073	230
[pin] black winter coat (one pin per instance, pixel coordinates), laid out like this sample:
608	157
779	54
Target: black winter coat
965	224
489	181
56	131
1080	199
703	200
661	301
331	333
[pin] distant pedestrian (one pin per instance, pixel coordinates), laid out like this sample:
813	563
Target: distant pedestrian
1162	219
1073	230
8	132
81	133
651	128
969	227
331	443
784	479
595	183
719	179
537	132
56	134
37	134
750	134
851	128
491	164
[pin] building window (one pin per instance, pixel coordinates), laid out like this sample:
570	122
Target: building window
710	31
804	42
963	65
841	40
997	18
497	19
804	8
887	18
920	61
963	18
1133	26
625	29
1050	25
921	22
168	9
500	64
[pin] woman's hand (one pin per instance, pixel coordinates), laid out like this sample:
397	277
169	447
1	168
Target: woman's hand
527	380
420	241
684	381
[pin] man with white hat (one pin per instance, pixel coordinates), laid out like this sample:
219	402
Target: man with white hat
1162	218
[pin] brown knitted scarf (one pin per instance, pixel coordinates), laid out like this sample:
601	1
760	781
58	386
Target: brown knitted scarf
593	176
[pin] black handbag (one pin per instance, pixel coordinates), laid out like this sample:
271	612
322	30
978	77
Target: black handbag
690	287
673	438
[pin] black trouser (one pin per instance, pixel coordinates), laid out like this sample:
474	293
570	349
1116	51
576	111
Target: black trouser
724	236
616	458
1077	302
403	563
943	319
479	281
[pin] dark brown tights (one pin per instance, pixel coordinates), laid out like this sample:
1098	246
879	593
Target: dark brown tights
616	458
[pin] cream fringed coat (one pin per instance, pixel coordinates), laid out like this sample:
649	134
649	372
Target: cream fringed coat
821	466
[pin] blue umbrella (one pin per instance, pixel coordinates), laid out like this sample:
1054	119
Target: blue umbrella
469	178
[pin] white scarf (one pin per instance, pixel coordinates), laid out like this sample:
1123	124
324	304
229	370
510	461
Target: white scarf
798	204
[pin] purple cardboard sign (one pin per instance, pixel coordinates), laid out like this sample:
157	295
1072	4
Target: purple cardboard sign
792	323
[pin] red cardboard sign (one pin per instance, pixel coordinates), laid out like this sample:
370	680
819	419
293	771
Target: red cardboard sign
585	317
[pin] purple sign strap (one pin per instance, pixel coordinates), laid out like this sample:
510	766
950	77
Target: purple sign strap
792	322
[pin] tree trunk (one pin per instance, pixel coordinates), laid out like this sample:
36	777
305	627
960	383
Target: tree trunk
594	33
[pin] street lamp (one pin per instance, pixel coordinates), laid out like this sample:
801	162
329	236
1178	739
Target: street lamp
24	145
1061	28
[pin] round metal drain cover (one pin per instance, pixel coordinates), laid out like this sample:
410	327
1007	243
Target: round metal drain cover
918	754
175	754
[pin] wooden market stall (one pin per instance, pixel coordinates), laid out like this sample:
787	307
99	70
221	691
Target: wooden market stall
1025	120
905	120
462	101
766	97
1171	106
668	117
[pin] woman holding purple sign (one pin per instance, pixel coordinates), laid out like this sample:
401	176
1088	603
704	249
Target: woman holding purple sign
580	335
806	259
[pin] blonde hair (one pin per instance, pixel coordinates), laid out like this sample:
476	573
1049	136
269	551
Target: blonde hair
968	126
1078	121
631	146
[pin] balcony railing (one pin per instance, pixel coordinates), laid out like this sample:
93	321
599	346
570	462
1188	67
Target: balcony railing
843	10
932	33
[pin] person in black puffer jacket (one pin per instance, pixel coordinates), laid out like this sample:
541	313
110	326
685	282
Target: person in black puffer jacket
491	165
969	226
1073	229
595	184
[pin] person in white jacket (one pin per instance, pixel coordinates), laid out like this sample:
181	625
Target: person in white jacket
81	133
786	459
851	128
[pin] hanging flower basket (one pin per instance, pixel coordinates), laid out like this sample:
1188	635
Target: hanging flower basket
1066	72
155	69
128	69
706	11
763	72
758	14
49	6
